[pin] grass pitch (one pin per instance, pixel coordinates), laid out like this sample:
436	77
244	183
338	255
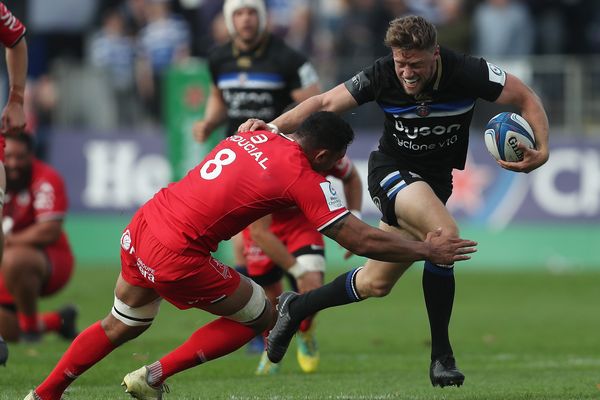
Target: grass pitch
516	336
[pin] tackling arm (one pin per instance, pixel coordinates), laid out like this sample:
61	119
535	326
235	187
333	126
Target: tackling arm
364	240
520	95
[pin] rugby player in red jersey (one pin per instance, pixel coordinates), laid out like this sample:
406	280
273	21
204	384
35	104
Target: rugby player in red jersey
254	74
166	249
12	119
286	242
37	258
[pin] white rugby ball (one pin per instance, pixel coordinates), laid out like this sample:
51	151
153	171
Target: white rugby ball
502	134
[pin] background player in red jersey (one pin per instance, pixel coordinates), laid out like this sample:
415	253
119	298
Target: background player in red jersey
37	258
12	119
287	241
255	74
166	249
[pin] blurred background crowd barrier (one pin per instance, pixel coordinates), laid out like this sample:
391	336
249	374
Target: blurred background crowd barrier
114	86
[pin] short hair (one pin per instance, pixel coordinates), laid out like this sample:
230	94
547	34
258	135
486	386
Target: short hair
411	33
23	137
325	130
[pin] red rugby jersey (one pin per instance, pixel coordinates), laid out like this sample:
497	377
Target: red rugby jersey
247	176
286	224
44	199
11	29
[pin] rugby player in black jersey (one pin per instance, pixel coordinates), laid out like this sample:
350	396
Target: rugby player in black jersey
427	94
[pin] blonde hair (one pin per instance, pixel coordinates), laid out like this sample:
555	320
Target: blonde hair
411	33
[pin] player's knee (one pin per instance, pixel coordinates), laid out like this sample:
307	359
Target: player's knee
379	288
258	312
125	322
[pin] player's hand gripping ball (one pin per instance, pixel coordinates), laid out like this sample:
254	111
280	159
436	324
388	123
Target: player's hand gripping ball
502	134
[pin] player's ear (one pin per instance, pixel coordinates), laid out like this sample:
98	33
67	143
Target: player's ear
321	155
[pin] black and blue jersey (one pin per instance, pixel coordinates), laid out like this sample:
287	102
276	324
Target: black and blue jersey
429	134
258	83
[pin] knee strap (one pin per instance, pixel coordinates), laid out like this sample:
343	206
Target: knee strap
253	308
135	316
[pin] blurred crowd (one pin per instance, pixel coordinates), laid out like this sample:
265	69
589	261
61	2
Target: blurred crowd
99	64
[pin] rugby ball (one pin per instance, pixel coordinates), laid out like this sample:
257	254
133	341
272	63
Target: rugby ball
502	134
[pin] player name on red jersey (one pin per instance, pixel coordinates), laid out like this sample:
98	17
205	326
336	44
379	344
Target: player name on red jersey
250	145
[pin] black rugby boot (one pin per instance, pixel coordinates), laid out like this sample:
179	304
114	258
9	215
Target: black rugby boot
443	372
282	333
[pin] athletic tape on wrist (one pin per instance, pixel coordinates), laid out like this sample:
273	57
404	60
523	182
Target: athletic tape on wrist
307	263
273	128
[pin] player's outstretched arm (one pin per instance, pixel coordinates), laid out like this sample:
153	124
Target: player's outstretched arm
518	94
335	100
365	240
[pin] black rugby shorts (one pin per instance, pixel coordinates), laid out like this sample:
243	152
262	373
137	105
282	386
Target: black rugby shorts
387	176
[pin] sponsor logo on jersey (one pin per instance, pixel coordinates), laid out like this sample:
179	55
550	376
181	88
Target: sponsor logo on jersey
417	131
495	74
126	240
145	270
221	268
333	201
423	110
360	81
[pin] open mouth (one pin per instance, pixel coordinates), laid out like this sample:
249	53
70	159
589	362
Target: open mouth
411	82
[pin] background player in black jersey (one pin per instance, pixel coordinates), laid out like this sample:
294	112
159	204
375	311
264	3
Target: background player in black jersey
254	75
427	94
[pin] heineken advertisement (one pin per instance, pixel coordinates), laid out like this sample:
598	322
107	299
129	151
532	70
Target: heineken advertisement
186	91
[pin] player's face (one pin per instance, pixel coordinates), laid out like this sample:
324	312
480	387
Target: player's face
17	162
246	23
415	68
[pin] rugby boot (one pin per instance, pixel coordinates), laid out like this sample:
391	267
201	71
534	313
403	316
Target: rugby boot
265	366
284	329
68	315
136	384
443	372
3	352
32	396
307	350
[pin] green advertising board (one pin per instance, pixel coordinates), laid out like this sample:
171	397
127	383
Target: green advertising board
186	91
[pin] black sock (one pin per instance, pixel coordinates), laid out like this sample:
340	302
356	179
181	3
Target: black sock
438	288
340	291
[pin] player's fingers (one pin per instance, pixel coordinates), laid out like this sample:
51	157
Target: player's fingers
466	250
245	126
461	258
466	243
